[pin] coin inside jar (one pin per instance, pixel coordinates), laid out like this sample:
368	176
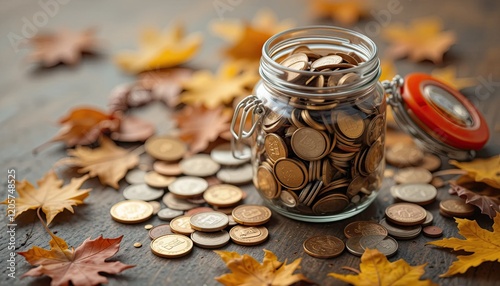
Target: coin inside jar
251	215
323	246
290	173
131	211
171	246
275	147
309	144
266	182
351	125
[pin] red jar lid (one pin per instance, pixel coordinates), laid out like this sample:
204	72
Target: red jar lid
445	112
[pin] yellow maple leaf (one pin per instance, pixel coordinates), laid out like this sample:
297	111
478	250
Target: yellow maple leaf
51	196
160	50
377	270
482	170
108	162
484	245
422	40
388	69
346	12
233	79
246	38
449	76
248	271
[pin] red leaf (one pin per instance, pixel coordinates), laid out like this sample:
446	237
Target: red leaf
489	205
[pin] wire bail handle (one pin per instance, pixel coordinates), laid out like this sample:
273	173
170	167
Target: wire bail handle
250	107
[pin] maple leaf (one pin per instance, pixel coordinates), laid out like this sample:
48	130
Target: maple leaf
484	245
377	270
233	79
51	196
449	76
246	38
248	271
63	46
108	162
80	266
487	200
389	70
482	170
423	40
160	50
346	12
199	126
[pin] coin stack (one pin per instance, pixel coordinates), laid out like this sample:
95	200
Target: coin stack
201	210
317	156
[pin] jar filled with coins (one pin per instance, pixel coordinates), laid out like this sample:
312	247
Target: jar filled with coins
318	124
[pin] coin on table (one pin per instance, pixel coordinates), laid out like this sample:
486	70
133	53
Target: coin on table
363	228
236	175
156	206
353	246
433	231
266	182
275	147
169	214
131	211
167	169
223	195
181	225
165	148
289	198
404	155
223	155
251	215
309	144
210	240
401	232
350	125
171	246
248	235
430	162
198	210
428	219
456	208
413	175
188	187
209	221
175	203
323	246
159	230
155	180
142	192
135	176
200	165
291	173
387	245
420	194
330	204
406	214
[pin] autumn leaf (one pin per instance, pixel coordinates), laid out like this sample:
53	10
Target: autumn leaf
133	129
165	85
247	39
160	50
377	270
346	12
449	76
63	46
125	96
199	126
484	245
233	79
108	162
422	40
482	170
487	200
80	266
248	271
51	196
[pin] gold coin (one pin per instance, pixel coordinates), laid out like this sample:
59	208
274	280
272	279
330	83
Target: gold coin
248	235
375	129
137	244
356	185
405	214
456	208
326	62
131	211
251	215
171	246
155	180
404	155
266	182
363	228
223	195
309	144
323	246
351	125
148	226
374	156
291	173
165	148
348	79
413	175
181	225
430	162
275	147
167	169
156	206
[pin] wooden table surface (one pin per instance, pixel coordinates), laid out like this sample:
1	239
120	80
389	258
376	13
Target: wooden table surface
32	99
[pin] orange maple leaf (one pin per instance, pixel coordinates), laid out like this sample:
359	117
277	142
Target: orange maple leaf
346	12
80	266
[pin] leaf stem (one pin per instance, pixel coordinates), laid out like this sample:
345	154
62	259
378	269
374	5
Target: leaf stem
52	235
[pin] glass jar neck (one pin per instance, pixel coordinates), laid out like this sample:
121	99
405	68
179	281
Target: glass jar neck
326	39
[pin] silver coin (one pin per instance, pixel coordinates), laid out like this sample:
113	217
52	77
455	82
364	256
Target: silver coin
142	192
353	246
421	194
223	155
210	239
370	241
209	221
236	176
169	214
135	176
401	232
413	175
386	245
428	219
188	187
177	204
200	165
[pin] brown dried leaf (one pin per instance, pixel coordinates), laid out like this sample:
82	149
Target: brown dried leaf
126	96
346	12
80	266
63	46
165	85
487	199
199	126
133	129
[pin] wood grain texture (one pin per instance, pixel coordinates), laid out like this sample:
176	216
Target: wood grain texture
31	100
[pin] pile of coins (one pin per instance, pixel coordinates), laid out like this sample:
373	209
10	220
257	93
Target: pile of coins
317	157
201	210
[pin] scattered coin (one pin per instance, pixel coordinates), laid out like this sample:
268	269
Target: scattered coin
437	182
401	232
456	208
142	192
405	214
175	203
148	226
413	175
223	195
188	187
167	169
251	215
231	220
248	235
171	246
200	165
430	162
428	219
181	225
168	214
135	176
159	230
353	246
165	148
363	228
210	239
223	155
404	155
237	175
209	221
131	211
137	244
421	194
156	206
198	210
433	231
155	180
386	245
323	246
